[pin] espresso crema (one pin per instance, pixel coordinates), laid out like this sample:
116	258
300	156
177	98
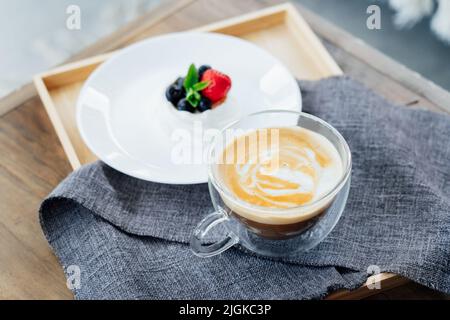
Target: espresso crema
279	168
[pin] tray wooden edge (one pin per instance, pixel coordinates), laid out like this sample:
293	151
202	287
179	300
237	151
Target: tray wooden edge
266	17
57	123
234	26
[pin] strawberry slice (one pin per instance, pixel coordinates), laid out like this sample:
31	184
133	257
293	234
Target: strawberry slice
219	85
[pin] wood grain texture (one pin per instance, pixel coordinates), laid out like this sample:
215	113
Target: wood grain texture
31	164
32	161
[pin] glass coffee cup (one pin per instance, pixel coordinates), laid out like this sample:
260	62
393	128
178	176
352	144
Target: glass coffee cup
270	230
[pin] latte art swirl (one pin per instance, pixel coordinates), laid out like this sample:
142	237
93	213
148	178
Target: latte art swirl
292	167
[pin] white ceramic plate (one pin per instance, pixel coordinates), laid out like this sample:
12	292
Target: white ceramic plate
126	121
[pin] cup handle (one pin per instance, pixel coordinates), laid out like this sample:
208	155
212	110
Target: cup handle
205	251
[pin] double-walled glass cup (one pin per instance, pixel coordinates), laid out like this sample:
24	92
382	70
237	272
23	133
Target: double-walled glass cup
253	227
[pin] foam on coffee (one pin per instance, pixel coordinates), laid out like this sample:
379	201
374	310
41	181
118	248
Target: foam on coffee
292	168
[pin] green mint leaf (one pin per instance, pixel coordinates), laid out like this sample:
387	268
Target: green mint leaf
191	77
199	86
193	101
189	92
193	97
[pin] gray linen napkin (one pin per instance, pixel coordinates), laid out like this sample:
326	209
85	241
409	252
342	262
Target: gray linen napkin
129	237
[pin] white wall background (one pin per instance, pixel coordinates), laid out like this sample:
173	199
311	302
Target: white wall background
34	37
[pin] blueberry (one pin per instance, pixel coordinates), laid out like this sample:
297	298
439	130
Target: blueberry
179	83
184	105
174	94
202	70
204	104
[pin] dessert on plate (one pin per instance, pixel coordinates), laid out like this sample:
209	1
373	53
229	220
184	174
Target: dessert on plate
200	90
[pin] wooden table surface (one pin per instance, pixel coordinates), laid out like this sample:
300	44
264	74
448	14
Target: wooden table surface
32	161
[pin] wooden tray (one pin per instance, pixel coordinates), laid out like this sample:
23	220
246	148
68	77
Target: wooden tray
279	29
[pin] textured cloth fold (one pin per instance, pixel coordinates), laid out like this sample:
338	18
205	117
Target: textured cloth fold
129	237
